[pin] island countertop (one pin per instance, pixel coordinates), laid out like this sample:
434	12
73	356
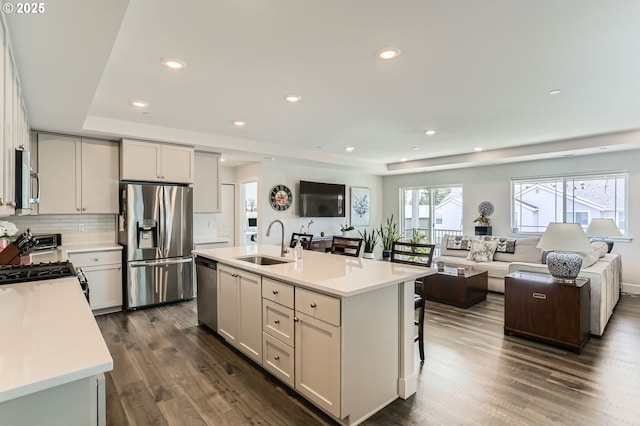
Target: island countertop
337	275
49	337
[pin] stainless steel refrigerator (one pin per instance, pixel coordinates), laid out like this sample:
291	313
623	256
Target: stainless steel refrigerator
155	228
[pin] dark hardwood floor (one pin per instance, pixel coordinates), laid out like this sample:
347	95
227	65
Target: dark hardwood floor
167	370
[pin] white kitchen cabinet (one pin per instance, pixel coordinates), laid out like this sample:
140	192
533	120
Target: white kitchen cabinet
240	310
206	186
317	350
103	270
14	128
156	162
77	175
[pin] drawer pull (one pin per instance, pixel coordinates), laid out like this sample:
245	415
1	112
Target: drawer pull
276	357
275	291
539	296
277	321
313	305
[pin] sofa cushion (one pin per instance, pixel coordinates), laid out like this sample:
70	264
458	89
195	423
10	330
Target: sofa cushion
482	251
600	248
459	242
525	251
505	245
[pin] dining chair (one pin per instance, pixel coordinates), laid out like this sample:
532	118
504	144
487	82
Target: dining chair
346	246
419	255
305	240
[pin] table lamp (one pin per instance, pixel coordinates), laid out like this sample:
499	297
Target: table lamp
602	228
566	240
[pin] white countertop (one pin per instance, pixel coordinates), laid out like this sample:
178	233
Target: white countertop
337	275
59	254
48	337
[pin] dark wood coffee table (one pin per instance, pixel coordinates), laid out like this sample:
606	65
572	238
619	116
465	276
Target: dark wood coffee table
450	287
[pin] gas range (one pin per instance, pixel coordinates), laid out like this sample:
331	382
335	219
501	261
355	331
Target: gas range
12	274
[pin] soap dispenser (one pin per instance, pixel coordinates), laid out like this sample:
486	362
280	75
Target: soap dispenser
298	250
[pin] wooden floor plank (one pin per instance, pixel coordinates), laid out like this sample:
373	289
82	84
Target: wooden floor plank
168	370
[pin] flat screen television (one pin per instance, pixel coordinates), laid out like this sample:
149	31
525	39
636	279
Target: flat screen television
321	199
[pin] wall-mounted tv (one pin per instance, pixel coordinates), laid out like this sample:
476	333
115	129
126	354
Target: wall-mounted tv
321	199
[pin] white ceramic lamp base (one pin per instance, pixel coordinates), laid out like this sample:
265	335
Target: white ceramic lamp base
564	266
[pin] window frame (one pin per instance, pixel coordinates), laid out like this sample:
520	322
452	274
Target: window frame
565	197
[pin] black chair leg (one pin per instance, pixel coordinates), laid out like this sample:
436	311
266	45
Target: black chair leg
421	332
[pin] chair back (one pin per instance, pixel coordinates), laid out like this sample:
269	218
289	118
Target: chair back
305	240
412	253
346	246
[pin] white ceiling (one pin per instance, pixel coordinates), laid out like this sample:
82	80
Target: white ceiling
479	72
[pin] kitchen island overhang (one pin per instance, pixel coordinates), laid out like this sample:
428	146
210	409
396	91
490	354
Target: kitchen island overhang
377	349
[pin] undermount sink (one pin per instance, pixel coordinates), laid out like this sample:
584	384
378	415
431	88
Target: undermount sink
263	260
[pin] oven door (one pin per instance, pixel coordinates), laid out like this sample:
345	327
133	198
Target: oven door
152	282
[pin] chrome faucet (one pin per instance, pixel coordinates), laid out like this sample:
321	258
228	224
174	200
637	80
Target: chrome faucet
284	250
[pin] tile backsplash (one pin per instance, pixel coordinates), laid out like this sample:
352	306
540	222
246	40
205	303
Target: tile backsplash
75	229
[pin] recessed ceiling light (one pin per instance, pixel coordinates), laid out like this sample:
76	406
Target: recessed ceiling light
388	53
239	123
174	64
140	104
477	149
403	159
349	148
430	132
270	158
554	91
223	159
293	98
414	148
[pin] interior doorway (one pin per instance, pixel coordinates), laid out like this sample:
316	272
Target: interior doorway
249	213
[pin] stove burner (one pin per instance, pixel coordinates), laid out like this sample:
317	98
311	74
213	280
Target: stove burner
10	274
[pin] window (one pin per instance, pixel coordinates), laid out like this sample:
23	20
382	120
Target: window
536	202
420	205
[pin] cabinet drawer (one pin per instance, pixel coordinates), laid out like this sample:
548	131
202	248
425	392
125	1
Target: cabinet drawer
96	258
277	321
320	306
278	358
278	292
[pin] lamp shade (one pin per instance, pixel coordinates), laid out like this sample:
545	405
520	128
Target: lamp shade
564	237
603	227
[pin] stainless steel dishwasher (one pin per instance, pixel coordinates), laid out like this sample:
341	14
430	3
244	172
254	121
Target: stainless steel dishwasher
207	282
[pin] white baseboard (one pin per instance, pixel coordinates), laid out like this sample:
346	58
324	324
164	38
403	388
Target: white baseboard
631	288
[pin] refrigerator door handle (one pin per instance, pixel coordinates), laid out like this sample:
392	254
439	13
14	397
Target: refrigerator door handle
146	263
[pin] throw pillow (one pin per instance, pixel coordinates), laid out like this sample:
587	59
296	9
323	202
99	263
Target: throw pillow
482	251
458	242
600	248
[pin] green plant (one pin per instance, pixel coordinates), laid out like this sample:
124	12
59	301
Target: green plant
388	233
346	228
370	240
417	237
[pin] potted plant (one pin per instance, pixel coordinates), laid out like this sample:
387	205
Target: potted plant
345	229
388	235
370	240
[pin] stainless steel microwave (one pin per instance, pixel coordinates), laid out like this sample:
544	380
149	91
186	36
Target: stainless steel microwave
27	182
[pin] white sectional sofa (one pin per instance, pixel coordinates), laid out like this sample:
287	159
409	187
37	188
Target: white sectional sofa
521	254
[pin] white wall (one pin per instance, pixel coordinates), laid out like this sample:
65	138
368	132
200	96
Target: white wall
493	183
272	173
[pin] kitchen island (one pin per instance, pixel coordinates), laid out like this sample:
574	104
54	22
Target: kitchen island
337	329
52	356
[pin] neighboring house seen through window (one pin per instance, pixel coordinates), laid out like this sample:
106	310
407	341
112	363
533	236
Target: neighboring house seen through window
538	201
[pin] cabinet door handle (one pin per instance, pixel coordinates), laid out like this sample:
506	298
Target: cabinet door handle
275	291
313	304
295	319
84	209
539	296
276	357
277	321
11	203
77	209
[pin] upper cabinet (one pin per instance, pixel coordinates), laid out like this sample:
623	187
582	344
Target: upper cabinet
156	162
206	186
14	128
77	175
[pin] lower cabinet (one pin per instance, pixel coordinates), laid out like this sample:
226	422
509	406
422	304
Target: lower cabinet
240	310
103	270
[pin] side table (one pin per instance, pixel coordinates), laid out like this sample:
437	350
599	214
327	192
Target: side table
538	307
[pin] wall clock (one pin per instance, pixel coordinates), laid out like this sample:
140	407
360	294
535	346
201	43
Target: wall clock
280	197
